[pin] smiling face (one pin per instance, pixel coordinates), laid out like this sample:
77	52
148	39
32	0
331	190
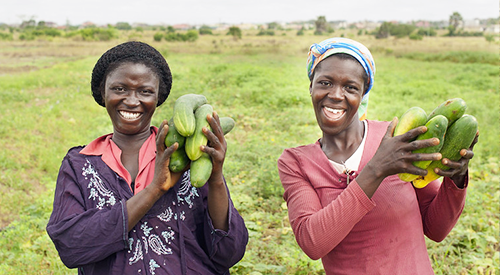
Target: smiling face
336	91
130	97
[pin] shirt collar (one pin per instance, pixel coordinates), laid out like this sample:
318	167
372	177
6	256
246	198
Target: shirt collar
111	154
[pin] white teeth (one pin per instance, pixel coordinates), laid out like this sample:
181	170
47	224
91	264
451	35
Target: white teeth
335	111
128	115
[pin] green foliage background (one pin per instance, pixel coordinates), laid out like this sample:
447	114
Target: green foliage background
261	82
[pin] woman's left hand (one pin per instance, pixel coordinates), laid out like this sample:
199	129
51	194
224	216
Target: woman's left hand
459	168
216	147
163	177
218	200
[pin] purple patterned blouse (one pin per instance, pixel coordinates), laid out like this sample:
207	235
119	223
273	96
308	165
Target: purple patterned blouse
88	226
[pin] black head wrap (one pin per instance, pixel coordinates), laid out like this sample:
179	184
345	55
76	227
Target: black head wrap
135	52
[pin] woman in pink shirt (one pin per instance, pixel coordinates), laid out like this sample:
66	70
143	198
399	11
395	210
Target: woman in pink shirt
346	204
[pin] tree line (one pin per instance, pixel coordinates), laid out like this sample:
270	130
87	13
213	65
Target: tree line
30	30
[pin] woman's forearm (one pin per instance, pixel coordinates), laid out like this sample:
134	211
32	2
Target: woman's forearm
139	204
369	180
218	204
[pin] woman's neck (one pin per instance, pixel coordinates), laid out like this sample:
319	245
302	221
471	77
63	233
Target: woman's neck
130	143
341	146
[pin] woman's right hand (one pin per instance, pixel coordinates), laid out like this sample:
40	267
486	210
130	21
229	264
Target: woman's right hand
394	155
163	178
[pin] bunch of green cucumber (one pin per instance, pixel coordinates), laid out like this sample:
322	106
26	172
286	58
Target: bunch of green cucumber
185	128
447	122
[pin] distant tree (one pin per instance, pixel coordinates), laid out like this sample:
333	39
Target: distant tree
415	36
204	30
51	32
123	26
489	37
321	25
191	35
273	26
455	20
94	34
427	32
384	30
401	30
6	36
172	36
170	29
28	24
265	32
301	31
158	36
492	21
235	32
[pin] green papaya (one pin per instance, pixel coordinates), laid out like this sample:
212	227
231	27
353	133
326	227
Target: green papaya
452	109
184	109
436	128
178	160
173	135
198	139
459	135
200	170
227	124
412	118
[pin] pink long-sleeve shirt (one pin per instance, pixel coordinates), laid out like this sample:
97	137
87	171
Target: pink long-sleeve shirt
353	234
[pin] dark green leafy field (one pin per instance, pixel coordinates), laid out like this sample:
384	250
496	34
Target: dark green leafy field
46	108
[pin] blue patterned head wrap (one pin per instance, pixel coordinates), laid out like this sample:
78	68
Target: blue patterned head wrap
326	48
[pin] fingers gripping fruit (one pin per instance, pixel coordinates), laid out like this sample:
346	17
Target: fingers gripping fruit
189	152
411	119
459	135
198	139
436	128
447	122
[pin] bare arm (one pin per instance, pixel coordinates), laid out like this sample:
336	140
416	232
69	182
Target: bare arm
218	200
163	180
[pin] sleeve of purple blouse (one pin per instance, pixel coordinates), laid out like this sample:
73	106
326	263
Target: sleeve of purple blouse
226	248
441	204
83	236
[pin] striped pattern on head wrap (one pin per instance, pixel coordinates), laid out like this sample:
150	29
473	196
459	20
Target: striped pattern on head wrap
328	47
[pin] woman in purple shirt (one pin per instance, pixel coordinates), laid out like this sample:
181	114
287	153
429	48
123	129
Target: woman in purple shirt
117	207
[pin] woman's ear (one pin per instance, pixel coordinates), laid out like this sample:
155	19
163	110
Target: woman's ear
102	97
310	89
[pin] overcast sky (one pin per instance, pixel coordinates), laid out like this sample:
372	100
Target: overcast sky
235	11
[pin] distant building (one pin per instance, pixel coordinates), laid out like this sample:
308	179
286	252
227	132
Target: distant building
182	27
472	25
247	26
139	25
87	24
368	25
423	24
492	29
296	26
339	24
50	24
